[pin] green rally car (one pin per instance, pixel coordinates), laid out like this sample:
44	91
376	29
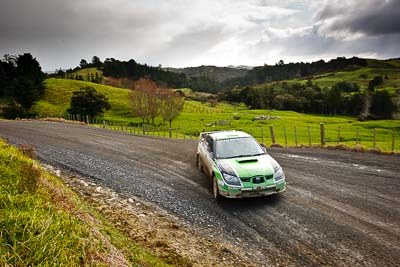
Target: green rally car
238	165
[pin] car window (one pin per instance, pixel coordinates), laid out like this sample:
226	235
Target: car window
210	143
237	147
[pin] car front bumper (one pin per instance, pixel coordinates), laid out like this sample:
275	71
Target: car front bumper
232	192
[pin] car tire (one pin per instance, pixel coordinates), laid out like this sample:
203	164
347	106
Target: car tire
216	193
198	163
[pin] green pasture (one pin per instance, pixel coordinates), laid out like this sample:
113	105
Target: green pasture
85	73
197	116
360	76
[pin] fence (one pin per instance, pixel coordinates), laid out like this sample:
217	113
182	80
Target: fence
284	135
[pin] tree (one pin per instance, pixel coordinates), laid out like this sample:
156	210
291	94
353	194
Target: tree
171	105
88	101
382	106
149	93
83	63
96	62
376	81
21	81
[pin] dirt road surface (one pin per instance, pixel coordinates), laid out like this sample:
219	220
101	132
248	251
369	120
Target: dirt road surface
340	208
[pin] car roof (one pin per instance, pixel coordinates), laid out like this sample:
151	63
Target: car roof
228	134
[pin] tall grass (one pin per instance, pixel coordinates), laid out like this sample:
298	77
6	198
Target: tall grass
43	223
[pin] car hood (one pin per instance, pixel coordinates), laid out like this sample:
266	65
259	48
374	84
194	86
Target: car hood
247	166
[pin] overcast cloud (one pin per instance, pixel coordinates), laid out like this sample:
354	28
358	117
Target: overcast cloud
194	32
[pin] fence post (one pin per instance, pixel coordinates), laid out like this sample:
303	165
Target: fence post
322	131
158	131
143	125
284	135
338	135
357	129
295	135
393	138
176	133
271	129
309	135
170	132
104	124
374	138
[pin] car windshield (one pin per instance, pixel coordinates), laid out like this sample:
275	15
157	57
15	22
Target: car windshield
237	147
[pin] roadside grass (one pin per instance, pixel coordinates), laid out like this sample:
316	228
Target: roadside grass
197	116
42	222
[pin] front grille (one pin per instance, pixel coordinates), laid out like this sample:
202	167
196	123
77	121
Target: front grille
254	179
258	180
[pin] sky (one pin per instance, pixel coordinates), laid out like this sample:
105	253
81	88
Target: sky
182	33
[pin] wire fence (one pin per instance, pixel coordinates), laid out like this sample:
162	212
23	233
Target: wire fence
378	139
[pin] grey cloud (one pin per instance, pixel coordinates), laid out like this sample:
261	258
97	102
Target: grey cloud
367	17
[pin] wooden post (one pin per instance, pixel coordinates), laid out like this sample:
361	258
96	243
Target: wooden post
357	129
322	131
165	130
143	125
271	129
338	135
176	133
295	135
158	131
393	139
104	124
284	135
170	132
309	135
154	130
374	138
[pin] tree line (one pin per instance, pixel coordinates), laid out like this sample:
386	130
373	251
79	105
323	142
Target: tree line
268	73
21	84
343	98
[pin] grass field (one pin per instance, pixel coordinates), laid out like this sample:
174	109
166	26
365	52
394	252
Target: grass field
197	116
86	73
360	76
43	223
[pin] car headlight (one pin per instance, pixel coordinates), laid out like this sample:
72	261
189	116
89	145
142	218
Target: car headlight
231	179
278	175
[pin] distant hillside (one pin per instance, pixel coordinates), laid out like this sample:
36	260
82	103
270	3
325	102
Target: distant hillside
218	74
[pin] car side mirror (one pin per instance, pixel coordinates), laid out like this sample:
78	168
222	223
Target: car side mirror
264	149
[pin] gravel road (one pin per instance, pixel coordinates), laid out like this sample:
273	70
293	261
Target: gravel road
340	208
